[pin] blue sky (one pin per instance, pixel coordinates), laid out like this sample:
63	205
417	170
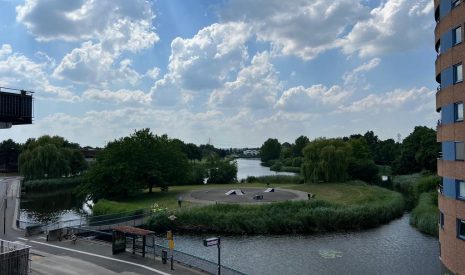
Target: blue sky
233	71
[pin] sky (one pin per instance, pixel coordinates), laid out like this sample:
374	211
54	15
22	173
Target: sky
232	72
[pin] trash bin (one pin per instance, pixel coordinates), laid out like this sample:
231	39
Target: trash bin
164	256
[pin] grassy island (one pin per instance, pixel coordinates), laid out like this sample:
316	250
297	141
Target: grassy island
337	207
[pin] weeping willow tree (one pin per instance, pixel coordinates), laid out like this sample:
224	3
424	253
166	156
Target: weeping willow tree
326	160
50	157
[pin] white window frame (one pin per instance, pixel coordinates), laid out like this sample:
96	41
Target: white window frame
463	151
457	39
458	77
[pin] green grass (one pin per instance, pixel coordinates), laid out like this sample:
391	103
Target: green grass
315	216
349	193
425	215
163	199
337	207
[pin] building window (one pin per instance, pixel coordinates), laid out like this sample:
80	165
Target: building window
461	229
459	151
455	3
460	189
458	74
458	111
457	36
441	220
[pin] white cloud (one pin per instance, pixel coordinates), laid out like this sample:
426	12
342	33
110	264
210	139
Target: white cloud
5	50
92	65
315	99
409	100
88	20
206	60
202	63
18	71
255	86
394	26
120	96
106	29
357	75
302	28
153	73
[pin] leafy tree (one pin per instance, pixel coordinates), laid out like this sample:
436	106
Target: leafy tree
142	160
299	145
326	160
270	150
221	170
50	157
419	151
361	164
9	153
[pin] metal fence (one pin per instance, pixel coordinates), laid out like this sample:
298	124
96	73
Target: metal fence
194	262
14	258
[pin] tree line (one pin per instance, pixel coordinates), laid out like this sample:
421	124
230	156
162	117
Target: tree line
353	157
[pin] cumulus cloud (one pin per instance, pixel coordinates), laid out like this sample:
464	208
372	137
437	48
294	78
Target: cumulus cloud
105	28
302	28
87	20
16	70
396	25
206	60
119	96
256	86
409	100
356	76
316	98
202	63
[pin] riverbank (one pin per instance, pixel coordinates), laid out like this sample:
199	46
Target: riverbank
420	193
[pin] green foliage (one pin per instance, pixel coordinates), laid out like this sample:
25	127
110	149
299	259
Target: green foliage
51	184
9	153
425	215
278	179
326	160
50	157
412	186
299	146
361	164
129	164
196	174
418	152
314	216
221	171
270	150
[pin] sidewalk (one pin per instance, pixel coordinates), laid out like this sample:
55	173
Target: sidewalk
103	262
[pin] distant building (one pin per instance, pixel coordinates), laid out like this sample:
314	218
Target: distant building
450	97
251	152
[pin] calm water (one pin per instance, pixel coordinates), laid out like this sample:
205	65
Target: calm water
51	207
395	248
252	167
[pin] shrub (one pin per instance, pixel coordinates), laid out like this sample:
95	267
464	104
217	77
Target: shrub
313	216
51	184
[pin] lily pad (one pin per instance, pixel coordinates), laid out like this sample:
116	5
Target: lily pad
330	254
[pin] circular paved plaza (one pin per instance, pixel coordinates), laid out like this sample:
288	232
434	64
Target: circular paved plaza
243	195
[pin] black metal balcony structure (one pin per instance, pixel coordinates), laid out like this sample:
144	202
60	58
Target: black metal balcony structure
16	107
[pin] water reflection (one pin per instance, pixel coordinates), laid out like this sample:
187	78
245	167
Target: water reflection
46	207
